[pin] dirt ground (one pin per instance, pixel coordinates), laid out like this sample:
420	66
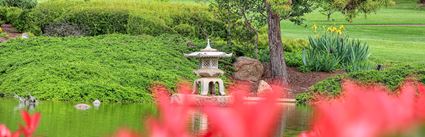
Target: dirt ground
299	81
11	32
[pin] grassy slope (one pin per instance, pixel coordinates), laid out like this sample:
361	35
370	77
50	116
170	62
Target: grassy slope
398	44
111	68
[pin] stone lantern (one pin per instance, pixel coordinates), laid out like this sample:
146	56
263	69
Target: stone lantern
208	71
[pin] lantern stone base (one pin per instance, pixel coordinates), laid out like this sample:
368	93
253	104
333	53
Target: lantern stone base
209	86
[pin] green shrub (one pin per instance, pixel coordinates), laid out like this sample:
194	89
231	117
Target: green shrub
64	29
151	25
184	29
331	50
391	77
129	17
318	60
289	45
112	68
293	45
23	4
10	14
359	66
293	59
100	21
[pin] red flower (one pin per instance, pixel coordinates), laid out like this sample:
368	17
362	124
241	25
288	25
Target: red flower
174	118
242	118
31	123
420	104
125	133
364	112
4	131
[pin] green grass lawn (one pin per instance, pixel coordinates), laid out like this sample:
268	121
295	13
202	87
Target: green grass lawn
389	44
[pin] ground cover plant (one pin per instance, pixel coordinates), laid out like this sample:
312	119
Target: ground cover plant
112	68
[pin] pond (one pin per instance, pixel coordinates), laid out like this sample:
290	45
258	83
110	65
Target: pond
61	119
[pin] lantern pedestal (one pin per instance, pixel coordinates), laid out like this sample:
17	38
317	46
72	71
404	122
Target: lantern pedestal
209	86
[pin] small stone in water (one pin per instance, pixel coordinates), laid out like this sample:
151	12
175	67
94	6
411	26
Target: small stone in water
96	103
82	106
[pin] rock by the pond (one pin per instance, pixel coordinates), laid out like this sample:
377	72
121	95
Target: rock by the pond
248	69
96	103
82	106
263	87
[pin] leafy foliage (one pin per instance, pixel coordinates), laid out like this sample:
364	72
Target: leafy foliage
125	17
23	4
112	68
351	8
330	51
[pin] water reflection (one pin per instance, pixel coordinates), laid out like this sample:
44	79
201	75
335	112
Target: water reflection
61	119
293	120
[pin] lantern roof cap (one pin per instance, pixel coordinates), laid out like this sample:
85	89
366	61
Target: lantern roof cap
208	52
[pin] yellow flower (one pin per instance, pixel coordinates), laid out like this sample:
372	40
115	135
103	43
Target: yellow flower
314	27
339	32
1	30
342	28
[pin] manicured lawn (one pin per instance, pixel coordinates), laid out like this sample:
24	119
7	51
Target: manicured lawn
389	44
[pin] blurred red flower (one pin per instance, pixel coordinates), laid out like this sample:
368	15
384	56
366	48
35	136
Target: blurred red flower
241	118
5	132
365	111
174	118
31	123
123	132
27	130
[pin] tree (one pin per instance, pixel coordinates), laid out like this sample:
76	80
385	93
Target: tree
328	7
422	2
271	12
351	8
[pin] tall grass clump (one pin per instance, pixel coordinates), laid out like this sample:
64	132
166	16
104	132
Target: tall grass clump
111	68
332	50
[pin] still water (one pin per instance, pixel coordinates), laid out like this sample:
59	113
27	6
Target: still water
61	119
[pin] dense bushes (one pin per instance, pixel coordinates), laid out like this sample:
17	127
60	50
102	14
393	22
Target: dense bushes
10	14
391	77
23	4
112	68
126	17
292	48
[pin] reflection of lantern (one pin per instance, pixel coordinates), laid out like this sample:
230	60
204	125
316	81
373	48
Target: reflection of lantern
208	71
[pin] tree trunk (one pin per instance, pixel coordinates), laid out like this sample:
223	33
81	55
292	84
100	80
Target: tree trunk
229	29
329	15
422	2
256	45
277	61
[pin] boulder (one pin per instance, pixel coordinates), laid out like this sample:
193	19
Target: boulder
263	86
248	69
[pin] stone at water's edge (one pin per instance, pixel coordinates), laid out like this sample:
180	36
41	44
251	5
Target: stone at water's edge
248	69
82	106
263	86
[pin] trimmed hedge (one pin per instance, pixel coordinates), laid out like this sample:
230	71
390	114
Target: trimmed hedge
125	17
391	77
111	68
